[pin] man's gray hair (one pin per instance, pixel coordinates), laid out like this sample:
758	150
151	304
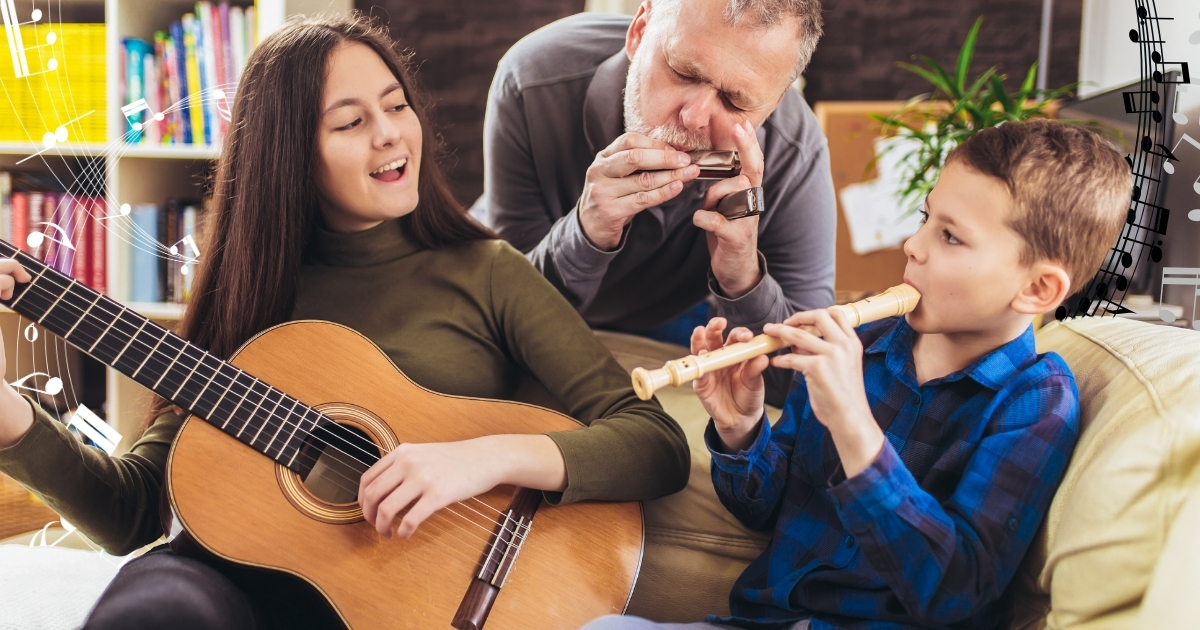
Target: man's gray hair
763	14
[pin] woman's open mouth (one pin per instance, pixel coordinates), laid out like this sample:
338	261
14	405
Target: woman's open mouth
391	172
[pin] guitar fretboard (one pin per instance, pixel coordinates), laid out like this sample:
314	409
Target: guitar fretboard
241	405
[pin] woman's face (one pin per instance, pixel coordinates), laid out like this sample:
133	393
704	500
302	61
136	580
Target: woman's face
368	143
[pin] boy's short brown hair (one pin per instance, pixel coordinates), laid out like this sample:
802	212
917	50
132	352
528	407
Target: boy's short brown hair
1071	188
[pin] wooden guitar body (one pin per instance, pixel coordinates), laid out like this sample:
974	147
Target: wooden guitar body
577	561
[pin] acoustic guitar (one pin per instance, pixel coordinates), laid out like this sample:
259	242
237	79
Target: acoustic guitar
265	472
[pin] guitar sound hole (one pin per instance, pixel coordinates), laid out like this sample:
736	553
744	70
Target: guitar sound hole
334	458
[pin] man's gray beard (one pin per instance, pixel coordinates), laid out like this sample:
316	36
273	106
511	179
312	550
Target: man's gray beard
673	135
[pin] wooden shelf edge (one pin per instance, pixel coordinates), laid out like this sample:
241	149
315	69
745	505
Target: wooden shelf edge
175	152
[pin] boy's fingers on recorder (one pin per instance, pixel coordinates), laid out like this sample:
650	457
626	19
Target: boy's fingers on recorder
799	339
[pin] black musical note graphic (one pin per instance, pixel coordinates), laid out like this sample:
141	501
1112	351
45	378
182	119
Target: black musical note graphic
1148	163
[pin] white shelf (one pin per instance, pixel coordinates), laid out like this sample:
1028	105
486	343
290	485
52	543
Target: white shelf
168	311
177	152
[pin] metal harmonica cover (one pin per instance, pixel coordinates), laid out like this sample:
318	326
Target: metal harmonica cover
717	164
741	204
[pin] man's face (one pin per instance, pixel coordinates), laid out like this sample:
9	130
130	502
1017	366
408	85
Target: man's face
693	77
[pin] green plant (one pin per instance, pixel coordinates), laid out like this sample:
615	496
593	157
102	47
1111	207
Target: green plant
937	122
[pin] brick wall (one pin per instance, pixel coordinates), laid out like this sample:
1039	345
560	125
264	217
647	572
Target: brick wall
457	45
864	38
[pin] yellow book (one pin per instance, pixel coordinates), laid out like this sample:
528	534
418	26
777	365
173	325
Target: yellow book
194	101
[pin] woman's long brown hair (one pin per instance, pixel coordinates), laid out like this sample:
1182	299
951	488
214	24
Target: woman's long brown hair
264	206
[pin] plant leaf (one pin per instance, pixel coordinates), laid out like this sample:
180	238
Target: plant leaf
965	54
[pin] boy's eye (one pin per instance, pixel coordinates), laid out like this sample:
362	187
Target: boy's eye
924	216
950	238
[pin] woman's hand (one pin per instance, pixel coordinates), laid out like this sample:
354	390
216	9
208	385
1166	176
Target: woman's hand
429	477
733	396
16	416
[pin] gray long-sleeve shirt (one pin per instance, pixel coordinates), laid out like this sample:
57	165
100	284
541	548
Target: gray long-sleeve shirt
556	102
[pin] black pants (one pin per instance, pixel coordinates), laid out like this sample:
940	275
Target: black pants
162	589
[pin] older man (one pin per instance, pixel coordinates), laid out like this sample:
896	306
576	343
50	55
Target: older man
598	192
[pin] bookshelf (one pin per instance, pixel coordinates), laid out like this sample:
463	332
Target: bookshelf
132	173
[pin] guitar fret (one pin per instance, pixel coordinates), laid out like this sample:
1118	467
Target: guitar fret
82	317
268	419
242	400
170	365
216	406
205	388
29	286
106	329
271	442
60	297
166	333
131	338
255	412
292	437
189	375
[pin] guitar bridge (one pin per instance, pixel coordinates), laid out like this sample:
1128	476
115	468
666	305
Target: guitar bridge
498	560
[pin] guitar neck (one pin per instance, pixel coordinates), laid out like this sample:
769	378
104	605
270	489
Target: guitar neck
204	385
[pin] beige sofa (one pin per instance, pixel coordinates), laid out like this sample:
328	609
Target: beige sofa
1120	547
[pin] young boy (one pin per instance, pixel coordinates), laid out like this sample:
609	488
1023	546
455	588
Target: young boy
917	455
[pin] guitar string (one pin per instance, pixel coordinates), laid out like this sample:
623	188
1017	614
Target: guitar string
284	422
515	541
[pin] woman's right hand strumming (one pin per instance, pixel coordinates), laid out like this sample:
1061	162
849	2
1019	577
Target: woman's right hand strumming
733	396
16	416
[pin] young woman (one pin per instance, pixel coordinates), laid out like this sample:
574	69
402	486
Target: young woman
328	205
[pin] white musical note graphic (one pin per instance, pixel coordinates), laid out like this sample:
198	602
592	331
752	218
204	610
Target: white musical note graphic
223	105
31	333
16	43
54	138
1184	276
138	107
54	384
35	239
123	210
179	246
97	430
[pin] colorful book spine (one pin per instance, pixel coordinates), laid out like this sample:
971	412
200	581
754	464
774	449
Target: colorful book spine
82	237
181	76
226	44
99	248
6	210
220	51
35	219
136	51
237	41
143	259
187	268
49	212
60	242
208	69
20	220
150	72
251	30
163	91
195	101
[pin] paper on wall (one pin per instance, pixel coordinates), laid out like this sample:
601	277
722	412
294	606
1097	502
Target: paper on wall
872	209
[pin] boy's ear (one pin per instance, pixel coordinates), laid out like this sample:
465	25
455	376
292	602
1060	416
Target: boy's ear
1048	286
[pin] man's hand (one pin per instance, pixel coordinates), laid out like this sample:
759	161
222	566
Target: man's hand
733	245
832	369
733	396
613	192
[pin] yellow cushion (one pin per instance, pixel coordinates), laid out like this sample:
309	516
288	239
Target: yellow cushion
1171	601
695	548
1131	471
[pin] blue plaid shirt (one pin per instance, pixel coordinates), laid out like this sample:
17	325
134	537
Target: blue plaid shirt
931	533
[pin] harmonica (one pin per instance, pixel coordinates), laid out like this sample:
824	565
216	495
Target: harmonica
742	204
717	164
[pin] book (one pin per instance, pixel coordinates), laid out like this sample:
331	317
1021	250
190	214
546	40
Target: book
20	220
6	192
188	250
206	57
237	41
136	51
183	82
150	129
143	258
194	96
81	266
36	199
99	246
219	74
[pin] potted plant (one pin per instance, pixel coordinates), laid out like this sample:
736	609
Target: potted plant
928	126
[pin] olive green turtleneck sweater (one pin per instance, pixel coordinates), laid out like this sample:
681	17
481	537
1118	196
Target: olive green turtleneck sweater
470	320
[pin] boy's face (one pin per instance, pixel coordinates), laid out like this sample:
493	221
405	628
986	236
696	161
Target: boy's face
965	259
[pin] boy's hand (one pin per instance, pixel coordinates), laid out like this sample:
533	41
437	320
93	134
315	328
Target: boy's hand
832	369
733	396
